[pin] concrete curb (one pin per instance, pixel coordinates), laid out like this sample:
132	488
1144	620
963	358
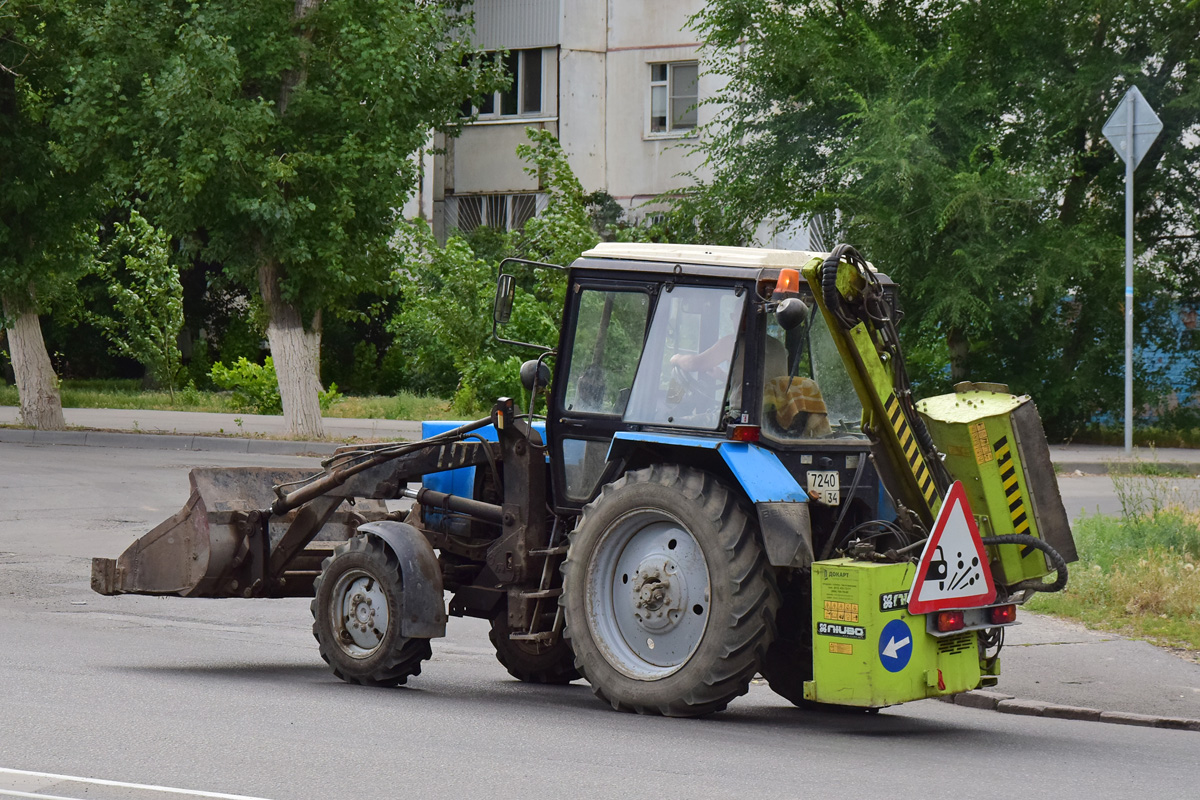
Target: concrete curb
166	441
1007	704
1102	467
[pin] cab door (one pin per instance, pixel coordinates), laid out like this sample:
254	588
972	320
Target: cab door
604	332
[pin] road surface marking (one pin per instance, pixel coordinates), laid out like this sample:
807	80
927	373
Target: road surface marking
119	784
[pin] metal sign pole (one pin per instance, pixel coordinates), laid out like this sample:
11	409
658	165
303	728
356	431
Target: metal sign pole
1129	284
1131	139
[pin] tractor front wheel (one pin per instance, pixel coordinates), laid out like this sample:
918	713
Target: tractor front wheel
669	600
357	612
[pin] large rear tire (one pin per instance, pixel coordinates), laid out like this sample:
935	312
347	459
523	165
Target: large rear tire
356	616
531	662
670	603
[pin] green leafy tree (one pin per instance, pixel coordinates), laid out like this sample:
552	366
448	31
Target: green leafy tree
958	144
444	327
274	139
46	207
147	299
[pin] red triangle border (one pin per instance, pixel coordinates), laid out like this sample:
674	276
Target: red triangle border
956	496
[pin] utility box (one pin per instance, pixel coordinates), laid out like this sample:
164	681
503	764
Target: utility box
868	651
994	443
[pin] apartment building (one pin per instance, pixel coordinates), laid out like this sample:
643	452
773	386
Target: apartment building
617	81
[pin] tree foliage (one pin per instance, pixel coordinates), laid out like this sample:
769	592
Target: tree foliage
276	139
444	327
958	145
147	299
250	133
47	214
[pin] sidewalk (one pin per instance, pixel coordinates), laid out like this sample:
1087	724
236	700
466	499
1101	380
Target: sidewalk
195	430
1056	668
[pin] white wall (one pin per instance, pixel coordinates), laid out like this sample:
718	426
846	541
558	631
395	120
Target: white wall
642	164
485	160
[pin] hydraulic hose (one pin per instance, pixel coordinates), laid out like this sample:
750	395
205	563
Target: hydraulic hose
325	482
1056	561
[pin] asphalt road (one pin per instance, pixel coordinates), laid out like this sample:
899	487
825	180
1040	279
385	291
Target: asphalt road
230	696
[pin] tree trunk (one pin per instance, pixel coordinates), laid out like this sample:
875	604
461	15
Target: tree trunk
296	351
37	385
959	347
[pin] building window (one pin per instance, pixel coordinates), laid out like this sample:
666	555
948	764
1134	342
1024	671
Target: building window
501	211
673	96
523	97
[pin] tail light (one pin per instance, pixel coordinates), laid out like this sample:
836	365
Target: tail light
948	621
1002	615
743	433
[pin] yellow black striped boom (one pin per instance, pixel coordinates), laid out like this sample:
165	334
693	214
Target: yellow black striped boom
1012	489
912	453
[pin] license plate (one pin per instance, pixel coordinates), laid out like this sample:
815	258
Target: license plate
826	486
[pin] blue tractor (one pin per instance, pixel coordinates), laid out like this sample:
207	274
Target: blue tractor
717	421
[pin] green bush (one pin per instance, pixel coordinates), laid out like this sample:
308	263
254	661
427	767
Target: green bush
147	299
255	387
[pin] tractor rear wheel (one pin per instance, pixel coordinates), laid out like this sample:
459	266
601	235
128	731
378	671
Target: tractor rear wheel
531	662
356	616
669	601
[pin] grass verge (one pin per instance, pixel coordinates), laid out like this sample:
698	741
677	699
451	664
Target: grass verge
1138	573
130	395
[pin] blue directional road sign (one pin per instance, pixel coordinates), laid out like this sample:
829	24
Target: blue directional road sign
895	645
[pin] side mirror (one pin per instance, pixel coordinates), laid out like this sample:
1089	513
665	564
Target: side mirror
791	313
532	369
502	310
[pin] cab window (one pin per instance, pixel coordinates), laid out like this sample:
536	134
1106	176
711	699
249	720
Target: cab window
691	351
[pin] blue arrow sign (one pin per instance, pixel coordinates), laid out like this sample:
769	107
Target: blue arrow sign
895	645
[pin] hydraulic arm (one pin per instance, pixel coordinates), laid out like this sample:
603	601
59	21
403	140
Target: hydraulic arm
981	435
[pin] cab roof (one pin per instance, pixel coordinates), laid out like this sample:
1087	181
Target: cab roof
738	263
753	258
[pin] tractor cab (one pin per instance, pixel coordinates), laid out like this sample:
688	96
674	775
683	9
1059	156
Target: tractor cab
691	354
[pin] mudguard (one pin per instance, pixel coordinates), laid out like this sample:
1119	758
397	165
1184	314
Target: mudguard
781	502
423	608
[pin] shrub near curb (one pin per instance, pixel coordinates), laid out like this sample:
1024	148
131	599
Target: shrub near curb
255	387
1138	573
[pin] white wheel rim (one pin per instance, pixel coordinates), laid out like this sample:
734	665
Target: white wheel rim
359	613
648	594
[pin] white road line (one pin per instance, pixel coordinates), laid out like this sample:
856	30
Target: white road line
7	793
119	784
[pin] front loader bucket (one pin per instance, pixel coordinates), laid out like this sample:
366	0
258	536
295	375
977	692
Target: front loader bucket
195	552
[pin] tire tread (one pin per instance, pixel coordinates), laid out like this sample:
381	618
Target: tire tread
750	627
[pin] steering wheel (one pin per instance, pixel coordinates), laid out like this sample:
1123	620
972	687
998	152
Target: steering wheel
690	383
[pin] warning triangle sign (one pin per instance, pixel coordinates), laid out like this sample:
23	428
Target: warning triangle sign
953	571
